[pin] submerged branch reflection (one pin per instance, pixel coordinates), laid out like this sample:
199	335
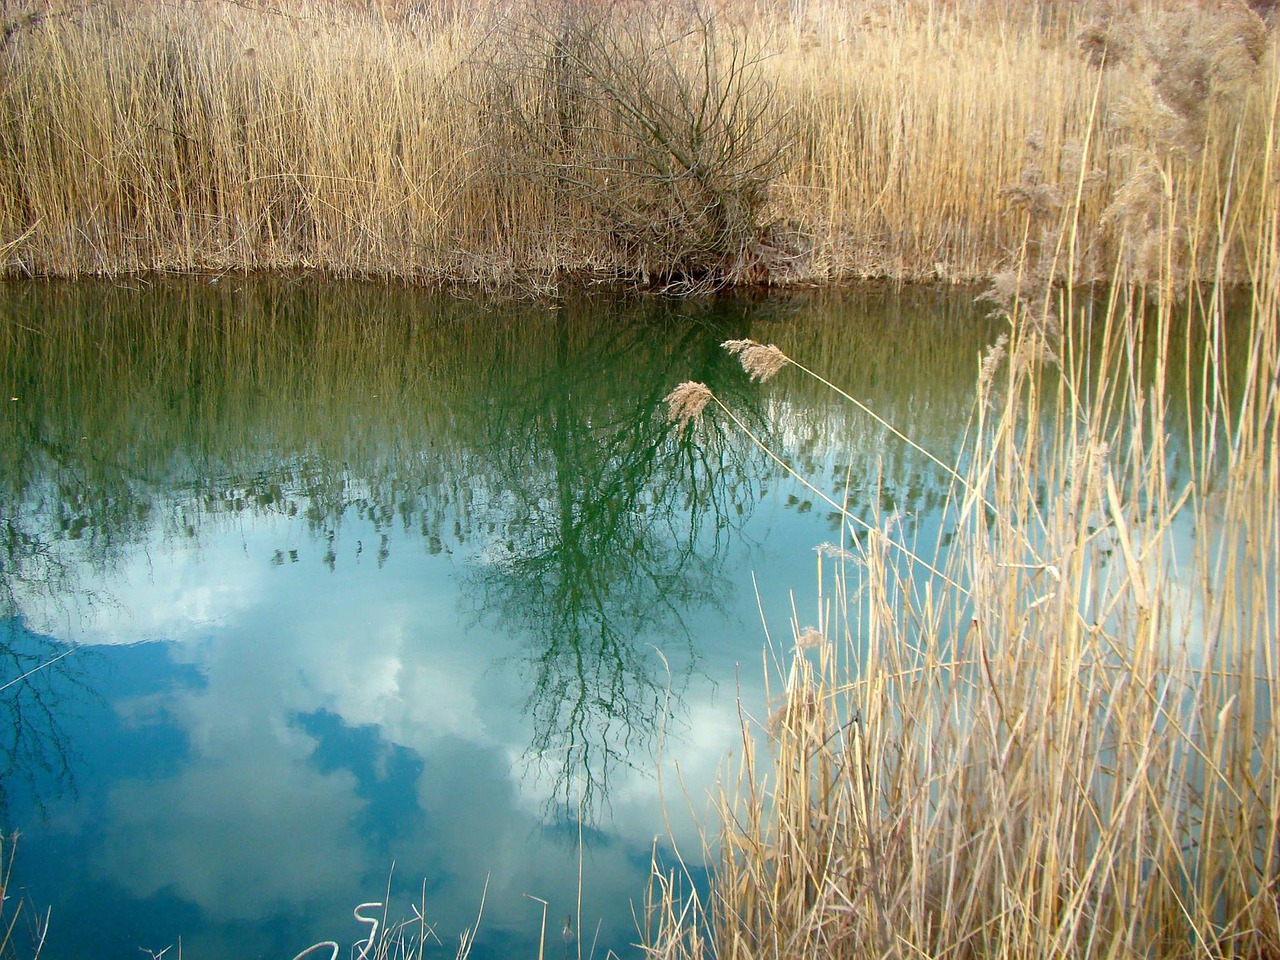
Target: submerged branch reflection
34	747
524	443
614	529
526	446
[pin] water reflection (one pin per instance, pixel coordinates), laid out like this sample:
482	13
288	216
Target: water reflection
613	528
34	748
416	572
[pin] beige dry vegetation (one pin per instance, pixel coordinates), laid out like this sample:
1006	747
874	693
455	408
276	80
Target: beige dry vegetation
1052	733
684	144
1054	736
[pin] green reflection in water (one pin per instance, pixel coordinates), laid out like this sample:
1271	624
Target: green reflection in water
529	439
526	444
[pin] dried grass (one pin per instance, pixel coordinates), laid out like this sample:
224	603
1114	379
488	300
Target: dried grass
1054	737
812	142
22	928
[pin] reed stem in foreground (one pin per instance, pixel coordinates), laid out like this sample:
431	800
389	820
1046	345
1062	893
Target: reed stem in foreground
1056	737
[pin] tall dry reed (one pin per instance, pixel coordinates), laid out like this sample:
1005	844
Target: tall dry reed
728	142
22	929
1052	734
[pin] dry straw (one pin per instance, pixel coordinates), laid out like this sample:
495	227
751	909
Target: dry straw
1055	736
682	145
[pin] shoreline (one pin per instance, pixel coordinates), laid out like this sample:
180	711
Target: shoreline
669	147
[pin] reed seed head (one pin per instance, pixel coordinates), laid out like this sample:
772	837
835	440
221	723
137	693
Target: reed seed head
835	552
810	639
991	362
686	402
760	361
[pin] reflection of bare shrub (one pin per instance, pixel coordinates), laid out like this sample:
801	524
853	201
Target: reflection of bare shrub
651	128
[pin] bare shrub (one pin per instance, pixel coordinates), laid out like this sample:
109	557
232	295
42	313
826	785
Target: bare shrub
652	128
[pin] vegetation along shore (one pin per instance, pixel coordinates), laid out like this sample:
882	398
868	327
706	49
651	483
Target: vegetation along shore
1050	735
677	145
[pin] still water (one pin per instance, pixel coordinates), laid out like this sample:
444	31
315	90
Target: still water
361	587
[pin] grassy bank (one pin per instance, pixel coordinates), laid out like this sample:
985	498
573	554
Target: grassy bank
676	144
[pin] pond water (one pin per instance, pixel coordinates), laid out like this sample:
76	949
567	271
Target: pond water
362	586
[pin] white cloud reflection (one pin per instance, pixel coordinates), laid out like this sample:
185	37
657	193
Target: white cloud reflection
252	822
240	835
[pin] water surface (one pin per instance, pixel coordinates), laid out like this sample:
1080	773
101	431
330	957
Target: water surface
359	577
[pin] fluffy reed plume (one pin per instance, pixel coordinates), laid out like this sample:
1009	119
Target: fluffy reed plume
687	401
761	362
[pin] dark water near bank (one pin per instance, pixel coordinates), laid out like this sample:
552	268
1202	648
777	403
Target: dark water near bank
358	576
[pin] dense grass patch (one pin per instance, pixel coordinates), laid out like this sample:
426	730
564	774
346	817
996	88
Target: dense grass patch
677	145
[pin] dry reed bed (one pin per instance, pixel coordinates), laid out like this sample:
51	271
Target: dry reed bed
1052	735
1063	744
517	144
1052	738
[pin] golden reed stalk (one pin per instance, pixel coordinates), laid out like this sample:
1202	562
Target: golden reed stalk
1055	737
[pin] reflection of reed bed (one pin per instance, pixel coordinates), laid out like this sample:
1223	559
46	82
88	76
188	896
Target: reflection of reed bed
181	404
1054	737
514	144
250	372
281	397
908	353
